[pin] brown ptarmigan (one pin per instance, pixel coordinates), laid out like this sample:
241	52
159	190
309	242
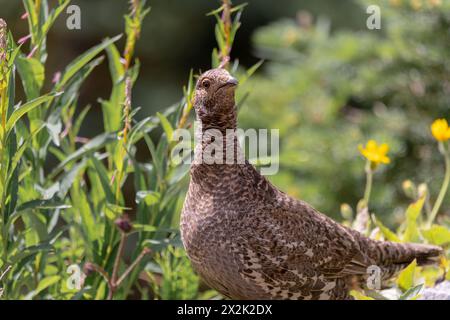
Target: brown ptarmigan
249	240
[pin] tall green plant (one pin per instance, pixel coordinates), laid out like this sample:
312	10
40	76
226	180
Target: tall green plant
75	213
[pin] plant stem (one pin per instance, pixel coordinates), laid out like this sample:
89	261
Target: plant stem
118	258
135	16
2	290
369	178
124	133
132	266
105	276
3	114
113	282
444	186
226	19
5	272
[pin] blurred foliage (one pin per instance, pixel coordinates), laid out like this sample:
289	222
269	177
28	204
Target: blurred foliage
168	52
55	221
330	91
76	213
178	280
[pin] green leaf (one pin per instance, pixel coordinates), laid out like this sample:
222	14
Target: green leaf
359	296
82	60
112	108
101	291
32	73
93	145
42	204
48	23
411	233
149	197
438	235
250	71
32	18
375	295
29	251
215	11
19	153
12	182
166	126
178	173
144	227
68	179
155	159
14	53
116	67
36	228
406	278
27	107
43	284
11	92
411	293
219	37
79	121
68	99
239	7
84	212
215	62
138	130
388	234
104	179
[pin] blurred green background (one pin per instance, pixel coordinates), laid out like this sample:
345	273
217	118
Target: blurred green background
176	37
328	82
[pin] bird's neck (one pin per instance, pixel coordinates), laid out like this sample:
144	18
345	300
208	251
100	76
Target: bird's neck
217	149
222	121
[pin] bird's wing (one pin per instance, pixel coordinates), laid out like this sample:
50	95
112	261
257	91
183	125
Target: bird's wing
343	254
290	256
297	237
290	235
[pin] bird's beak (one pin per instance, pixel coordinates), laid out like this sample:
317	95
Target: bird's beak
232	82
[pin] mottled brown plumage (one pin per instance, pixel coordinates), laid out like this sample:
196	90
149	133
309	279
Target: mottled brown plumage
249	240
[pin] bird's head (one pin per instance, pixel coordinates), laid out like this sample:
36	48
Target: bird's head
214	96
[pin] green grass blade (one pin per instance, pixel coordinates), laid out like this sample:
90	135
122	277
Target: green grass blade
24	109
82	60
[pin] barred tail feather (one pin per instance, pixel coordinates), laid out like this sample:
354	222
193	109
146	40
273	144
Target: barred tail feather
393	257
400	253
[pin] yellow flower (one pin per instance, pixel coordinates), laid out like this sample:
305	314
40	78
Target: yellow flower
375	153
416	4
289	37
440	130
434	3
395	3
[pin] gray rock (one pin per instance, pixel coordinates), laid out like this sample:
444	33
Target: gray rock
439	292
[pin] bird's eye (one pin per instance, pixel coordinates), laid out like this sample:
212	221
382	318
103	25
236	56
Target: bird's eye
206	83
